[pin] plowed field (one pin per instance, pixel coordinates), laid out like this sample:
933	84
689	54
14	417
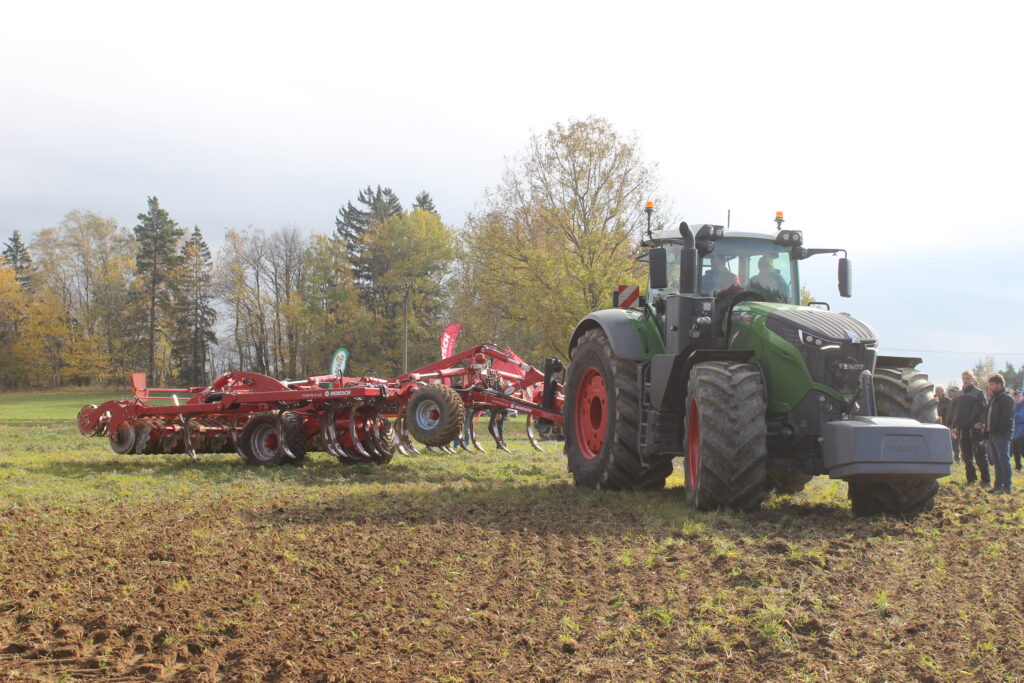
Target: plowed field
473	567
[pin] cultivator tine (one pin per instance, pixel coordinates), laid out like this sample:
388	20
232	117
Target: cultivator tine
186	437
494	432
329	435
464	440
236	440
353	434
472	431
404	436
374	440
400	437
531	433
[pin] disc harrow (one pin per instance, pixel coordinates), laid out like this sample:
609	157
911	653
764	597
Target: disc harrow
356	420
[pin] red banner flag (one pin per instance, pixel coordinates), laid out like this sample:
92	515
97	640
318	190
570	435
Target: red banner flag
448	337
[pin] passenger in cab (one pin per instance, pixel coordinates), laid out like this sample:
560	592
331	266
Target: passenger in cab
769	278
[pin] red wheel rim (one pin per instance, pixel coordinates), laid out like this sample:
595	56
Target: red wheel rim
591	413
271	442
692	446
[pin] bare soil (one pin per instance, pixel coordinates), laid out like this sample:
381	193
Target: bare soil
515	577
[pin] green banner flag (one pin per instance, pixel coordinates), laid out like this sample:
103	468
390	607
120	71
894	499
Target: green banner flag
339	362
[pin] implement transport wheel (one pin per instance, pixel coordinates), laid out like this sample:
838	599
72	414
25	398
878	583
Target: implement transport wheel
895	496
435	415
268	439
123	440
602	416
725	437
905	392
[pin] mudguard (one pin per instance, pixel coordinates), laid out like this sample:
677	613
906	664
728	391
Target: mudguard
618	327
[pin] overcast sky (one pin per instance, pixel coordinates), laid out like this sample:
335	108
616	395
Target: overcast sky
893	129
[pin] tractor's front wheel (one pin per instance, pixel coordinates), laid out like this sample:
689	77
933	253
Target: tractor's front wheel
725	428
899	392
602	416
896	497
905	392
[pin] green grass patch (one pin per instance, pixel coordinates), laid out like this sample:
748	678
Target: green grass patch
54	406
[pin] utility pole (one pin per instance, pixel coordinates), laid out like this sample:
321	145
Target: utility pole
405	319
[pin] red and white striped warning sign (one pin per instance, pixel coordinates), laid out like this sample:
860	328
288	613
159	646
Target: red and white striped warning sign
628	295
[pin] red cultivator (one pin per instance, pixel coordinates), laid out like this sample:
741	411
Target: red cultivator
269	421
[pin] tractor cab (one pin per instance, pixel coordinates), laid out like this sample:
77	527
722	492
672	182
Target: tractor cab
708	263
739	261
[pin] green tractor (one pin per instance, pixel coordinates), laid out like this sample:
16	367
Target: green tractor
721	366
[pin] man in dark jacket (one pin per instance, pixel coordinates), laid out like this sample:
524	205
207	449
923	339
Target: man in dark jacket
1018	430
968	414
944	405
999	431
948	421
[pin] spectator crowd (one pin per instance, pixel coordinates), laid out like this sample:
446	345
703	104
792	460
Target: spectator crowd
987	426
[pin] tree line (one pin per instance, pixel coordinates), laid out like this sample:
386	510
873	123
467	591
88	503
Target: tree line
90	301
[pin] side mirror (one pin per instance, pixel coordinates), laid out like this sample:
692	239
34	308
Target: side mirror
658	268
845	278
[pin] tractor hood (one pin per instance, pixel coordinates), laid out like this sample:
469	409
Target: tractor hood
799	325
835	347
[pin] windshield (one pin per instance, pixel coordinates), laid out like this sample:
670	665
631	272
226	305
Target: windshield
738	264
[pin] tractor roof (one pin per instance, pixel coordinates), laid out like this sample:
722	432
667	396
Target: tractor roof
673	235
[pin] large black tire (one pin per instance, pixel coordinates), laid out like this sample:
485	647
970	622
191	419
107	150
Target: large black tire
899	392
905	392
265	437
895	496
725	428
435	415
602	416
785	480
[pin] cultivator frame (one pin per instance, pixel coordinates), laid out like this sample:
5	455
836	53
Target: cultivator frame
366	419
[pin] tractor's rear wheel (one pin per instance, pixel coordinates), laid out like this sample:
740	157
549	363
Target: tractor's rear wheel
268	439
895	496
435	415
602	416
725	437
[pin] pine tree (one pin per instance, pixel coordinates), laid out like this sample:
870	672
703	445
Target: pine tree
16	255
158	237
194	316
424	202
353	222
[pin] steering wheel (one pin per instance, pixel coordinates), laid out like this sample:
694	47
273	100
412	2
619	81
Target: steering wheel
741	297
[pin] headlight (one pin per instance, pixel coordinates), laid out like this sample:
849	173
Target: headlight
811	340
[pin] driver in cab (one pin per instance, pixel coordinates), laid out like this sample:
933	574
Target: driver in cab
768	277
719	279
